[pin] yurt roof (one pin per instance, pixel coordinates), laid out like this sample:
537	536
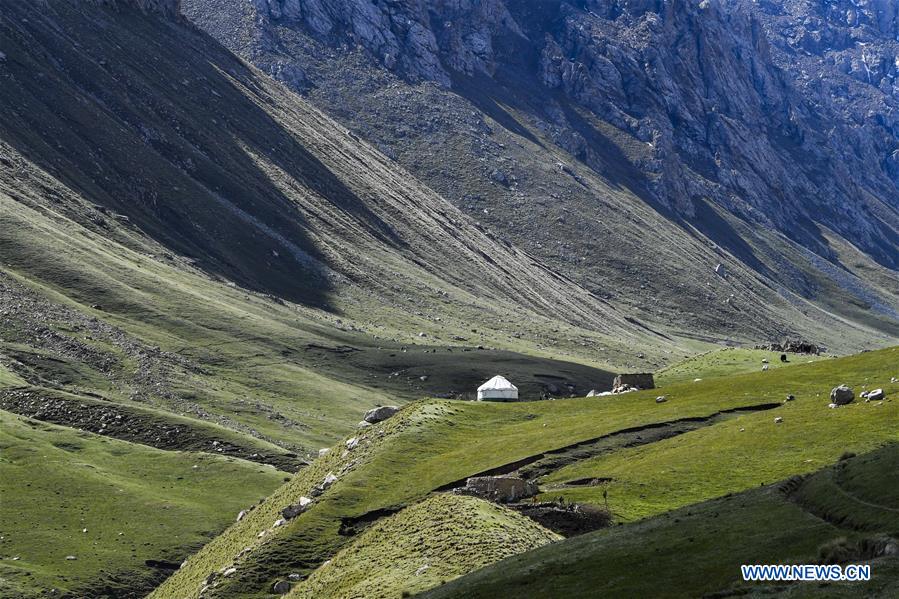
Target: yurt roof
497	382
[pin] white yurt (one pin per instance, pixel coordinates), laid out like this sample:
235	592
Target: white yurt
497	389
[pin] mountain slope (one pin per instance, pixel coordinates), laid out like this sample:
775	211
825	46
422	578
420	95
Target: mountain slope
575	138
226	168
170	210
193	259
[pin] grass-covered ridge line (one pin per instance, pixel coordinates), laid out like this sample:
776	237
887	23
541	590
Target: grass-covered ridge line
727	362
145	425
697	550
750	450
135	502
424	545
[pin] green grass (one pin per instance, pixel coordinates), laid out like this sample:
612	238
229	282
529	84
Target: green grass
144	425
697	551
750	450
430	444
137	504
726	362
9	378
436	540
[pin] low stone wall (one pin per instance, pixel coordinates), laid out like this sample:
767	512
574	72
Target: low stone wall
640	381
500	489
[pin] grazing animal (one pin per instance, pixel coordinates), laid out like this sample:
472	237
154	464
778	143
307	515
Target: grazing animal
783	358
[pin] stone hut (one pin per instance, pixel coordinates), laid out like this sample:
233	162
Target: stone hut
642	380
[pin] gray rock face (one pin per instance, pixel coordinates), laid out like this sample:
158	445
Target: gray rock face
698	82
842	395
420	40
380	414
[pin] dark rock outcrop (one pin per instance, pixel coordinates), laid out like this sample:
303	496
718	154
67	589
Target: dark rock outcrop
842	395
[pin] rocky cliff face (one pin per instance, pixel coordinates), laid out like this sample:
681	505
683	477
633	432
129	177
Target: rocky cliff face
760	130
420	40
697	81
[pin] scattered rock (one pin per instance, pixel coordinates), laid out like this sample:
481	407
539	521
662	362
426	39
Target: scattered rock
791	397
380	414
793	347
352	443
71	557
330	479
661	399
241	515
778	420
363	424
294	510
230	571
282	587
323	451
875	395
842	395
279	522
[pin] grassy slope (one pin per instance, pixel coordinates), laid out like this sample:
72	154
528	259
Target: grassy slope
431	444
144	425
698	550
725	362
723	458
137	503
436	540
9	378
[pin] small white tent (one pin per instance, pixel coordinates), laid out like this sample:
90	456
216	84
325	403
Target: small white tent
497	389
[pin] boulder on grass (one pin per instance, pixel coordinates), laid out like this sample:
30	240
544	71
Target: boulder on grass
842	395
380	414
282	587
875	395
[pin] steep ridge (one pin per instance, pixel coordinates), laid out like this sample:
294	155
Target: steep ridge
232	171
575	138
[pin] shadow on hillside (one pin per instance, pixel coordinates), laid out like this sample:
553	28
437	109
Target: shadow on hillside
159	122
